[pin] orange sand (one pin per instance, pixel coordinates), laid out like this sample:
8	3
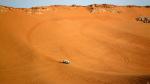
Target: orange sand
103	47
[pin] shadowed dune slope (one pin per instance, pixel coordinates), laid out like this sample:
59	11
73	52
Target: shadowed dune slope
104	47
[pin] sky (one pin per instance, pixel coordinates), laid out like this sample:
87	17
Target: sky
31	3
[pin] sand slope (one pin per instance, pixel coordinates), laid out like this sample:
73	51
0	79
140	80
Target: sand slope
104	47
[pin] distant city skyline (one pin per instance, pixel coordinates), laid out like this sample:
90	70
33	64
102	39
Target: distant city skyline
31	3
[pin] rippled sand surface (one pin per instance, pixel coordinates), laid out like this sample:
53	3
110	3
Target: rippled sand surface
103	47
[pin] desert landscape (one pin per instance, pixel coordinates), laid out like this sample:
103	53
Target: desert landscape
105	44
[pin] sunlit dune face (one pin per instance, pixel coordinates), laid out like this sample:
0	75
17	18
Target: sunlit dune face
101	47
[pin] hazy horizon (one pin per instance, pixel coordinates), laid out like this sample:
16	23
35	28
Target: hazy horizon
31	3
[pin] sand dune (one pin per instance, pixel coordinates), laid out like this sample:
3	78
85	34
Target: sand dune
104	47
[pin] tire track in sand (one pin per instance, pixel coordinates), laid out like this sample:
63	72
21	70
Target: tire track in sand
125	59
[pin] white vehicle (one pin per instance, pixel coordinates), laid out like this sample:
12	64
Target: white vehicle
66	61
